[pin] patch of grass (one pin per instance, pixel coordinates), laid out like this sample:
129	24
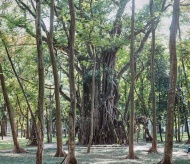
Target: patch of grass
7	142
99	154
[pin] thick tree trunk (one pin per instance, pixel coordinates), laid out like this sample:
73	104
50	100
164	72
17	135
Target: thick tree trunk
109	99
168	149
106	114
17	148
85	113
33	135
148	135
96	113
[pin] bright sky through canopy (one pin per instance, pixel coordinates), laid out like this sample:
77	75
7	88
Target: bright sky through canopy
140	3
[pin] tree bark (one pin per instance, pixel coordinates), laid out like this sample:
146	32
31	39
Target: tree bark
17	148
132	110
60	152
48	124
153	98
178	115
71	153
187	127
40	110
92	101
27	125
168	149
3	123
109	96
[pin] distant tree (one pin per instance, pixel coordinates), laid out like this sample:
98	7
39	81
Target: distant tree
17	148
161	85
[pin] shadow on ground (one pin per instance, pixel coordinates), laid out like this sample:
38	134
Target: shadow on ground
99	155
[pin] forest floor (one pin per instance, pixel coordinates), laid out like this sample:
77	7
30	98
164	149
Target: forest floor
100	154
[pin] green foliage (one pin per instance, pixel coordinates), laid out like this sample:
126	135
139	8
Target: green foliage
94	26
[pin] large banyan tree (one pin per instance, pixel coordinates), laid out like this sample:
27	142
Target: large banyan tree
105	31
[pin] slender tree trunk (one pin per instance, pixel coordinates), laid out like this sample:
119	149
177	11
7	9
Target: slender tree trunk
22	116
2	130
92	101
127	106
40	111
49	119
175	126
187	87
178	116
3	125
48	125
187	126
71	159
160	131
154	142
131	127
27	125
4	122
60	152
168	149
160	119
17	148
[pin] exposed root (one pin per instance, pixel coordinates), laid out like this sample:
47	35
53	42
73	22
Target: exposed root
134	157
60	154
70	159
165	162
18	150
151	150
161	162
